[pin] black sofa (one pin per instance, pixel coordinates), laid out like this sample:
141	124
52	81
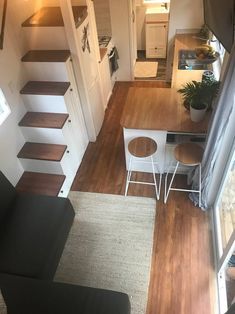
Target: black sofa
30	296
33	232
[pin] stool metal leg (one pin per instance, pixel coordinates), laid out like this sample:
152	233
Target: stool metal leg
128	176
172	178
154	179
166	177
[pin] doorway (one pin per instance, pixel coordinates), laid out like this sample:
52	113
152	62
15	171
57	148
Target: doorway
149	33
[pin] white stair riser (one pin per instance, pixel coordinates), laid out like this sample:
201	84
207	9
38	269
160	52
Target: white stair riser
64	191
35	165
46	71
53	167
43	103
43	135
50	38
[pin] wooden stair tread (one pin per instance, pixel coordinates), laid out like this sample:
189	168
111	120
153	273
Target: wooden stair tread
44	120
46	16
52	17
45	88
39	151
40	183
46	56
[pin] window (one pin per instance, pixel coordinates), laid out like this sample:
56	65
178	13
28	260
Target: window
4	108
217	66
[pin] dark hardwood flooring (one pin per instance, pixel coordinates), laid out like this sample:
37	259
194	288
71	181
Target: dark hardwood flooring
181	275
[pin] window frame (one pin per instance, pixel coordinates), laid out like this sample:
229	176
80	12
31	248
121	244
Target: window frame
4	107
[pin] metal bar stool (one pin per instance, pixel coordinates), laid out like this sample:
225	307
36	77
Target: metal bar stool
140	149
187	154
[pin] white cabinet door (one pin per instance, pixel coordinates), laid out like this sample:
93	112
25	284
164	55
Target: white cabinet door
105	80
156	40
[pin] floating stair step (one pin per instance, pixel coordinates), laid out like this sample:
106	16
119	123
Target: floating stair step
45	88
46	56
49	152
40	183
52	17
46	16
44	120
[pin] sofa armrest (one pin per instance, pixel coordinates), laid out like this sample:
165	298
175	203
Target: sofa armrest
8	195
27	296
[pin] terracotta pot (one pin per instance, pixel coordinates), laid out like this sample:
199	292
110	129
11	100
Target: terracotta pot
197	115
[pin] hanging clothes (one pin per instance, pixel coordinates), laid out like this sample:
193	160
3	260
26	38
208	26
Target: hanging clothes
113	60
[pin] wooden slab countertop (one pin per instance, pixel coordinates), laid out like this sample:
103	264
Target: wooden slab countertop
159	109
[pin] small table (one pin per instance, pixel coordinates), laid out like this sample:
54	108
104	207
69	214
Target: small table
155	112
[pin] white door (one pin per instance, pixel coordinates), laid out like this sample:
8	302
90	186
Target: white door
89	63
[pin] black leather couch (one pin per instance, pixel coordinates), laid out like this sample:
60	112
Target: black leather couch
33	232
30	296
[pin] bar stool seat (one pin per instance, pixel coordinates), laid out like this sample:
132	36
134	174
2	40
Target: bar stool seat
187	154
141	149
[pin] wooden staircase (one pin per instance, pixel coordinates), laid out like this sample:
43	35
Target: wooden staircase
40	183
53	127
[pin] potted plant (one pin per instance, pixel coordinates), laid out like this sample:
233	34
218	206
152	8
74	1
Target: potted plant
198	97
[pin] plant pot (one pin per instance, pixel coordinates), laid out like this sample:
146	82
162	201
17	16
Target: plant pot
197	115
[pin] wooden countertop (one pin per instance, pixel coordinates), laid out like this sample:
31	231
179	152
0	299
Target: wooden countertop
159	109
180	77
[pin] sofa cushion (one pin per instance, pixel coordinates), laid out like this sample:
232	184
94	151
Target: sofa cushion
30	296
33	236
8	194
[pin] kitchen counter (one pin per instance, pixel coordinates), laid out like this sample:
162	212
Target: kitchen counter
155	112
180	77
159	109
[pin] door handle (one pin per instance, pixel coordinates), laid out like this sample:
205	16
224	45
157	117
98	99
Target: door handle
133	16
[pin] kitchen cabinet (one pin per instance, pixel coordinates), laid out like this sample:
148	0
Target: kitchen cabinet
156	39
105	79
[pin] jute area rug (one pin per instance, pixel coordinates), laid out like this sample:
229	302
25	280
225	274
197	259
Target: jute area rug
146	69
110	245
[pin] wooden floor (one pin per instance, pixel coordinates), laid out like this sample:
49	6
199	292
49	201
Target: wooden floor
181	276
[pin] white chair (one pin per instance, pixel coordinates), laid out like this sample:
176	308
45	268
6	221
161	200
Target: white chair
190	155
142	150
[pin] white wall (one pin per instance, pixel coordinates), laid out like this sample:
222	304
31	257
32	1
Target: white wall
102	15
119	12
12	80
185	16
